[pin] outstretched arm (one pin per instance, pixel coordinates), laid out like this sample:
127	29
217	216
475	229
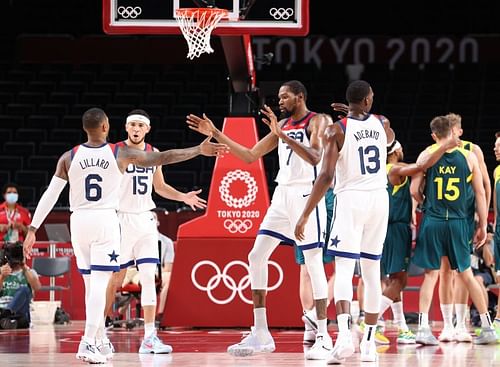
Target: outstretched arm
205	126
168	192
324	179
149	159
47	201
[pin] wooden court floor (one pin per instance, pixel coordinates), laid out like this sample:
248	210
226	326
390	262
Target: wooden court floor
47	345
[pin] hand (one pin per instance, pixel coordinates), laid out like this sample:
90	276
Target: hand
5	270
213	149
451	142
191	198
480	237
299	228
271	120
342	108
203	125
29	241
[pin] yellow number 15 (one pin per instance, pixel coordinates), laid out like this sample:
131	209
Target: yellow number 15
452	191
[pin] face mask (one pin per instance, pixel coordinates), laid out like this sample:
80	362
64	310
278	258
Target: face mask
11	197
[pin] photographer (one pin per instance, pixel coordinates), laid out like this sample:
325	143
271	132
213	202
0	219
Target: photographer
17	283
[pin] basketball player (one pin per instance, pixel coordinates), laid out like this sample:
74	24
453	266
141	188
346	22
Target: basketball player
298	138
139	235
397	246
451	287
443	238
94	170
354	152
496	211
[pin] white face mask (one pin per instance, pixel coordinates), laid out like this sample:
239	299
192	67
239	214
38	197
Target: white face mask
11	197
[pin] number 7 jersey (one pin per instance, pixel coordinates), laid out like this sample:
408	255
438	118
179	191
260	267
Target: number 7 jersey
362	159
94	177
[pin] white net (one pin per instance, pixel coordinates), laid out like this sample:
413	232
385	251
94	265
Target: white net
197	26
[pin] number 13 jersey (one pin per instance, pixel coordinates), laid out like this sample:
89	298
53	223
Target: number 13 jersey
94	177
362	159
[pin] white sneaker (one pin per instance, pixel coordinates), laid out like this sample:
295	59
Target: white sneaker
89	353
462	335
321	348
368	351
343	348
447	335
106	348
309	318
258	341
153	344
309	336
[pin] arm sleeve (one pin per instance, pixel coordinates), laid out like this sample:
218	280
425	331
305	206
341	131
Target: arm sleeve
48	200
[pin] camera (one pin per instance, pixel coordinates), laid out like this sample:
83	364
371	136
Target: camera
12	254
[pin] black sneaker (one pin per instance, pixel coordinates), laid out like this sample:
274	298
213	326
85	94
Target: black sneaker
108	324
7	323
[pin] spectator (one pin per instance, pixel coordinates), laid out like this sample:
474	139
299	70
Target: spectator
14	219
17	283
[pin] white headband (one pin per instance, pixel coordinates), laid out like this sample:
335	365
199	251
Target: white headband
139	118
393	147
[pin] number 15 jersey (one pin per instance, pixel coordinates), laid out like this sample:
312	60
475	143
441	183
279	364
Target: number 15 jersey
94	177
137	187
361	162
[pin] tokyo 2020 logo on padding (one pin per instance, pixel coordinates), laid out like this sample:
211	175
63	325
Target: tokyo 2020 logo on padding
223	279
225	192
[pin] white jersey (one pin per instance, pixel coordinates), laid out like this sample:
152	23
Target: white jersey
361	163
293	169
94	177
137	187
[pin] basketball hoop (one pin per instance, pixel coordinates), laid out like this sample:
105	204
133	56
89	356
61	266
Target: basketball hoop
197	25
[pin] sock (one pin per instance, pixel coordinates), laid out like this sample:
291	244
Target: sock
447	312
385	303
485	321
423	320
399	316
149	329
460	310
259	318
344	323
369	334
322	326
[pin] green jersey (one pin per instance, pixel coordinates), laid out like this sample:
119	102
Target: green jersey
497	191
399	200
447	186
10	285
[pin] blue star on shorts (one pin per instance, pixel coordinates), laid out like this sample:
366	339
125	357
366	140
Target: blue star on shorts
335	241
113	257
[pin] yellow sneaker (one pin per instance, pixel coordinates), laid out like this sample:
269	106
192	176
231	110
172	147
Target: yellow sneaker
380	338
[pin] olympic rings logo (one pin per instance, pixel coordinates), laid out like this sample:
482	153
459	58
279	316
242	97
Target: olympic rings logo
229	282
238	225
229	199
281	13
129	11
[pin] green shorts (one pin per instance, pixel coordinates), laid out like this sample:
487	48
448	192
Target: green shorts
437	238
329	200
397	248
496	241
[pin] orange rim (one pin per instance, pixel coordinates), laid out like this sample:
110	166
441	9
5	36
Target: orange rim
196	12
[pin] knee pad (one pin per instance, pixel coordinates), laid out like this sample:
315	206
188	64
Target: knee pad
370	271
344	270
257	259
314	263
147	281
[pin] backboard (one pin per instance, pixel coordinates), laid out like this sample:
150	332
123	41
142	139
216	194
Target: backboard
253	17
